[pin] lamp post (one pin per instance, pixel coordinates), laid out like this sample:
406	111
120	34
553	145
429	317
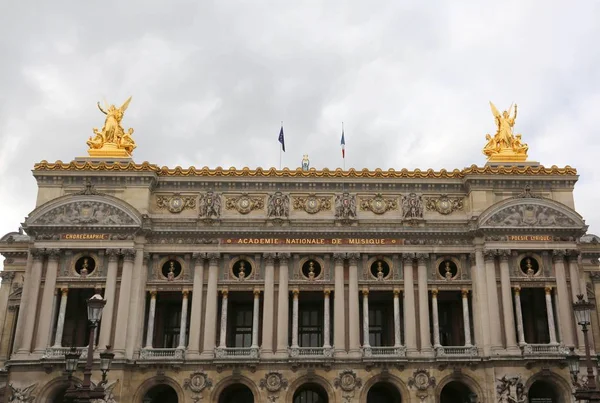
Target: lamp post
86	393
589	390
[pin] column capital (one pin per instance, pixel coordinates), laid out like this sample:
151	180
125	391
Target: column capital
558	255
408	258
339	257
464	292
36	254
573	254
113	254
153	293
434	292
53	254
396	292
185	293
365	292
256	293
64	291
7	275
489	254
517	290
198	257
548	289
422	257
353	258
269	258
283	257
213	257
225	292
128	255
504	255
327	292
295	292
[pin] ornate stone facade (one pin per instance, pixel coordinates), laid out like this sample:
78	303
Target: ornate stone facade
280	285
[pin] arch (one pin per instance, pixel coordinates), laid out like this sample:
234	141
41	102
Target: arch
560	384
236	393
89	210
232	380
389	379
50	391
310	393
161	394
312	379
528	212
464	379
148	384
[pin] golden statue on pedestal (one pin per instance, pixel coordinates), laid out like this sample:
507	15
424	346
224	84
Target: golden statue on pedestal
112	140
505	146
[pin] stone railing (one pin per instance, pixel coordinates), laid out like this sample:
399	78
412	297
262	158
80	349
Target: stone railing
236	353
311	352
544	350
456	351
387	351
162	354
59	352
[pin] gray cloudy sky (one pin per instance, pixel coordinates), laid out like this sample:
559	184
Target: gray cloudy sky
211	81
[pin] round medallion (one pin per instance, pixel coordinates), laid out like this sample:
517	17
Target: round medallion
378	205
347	382
444	206
273	383
421	381
176	204
244	205
312	205
198	382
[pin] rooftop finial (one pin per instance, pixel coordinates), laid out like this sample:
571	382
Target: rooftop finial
505	146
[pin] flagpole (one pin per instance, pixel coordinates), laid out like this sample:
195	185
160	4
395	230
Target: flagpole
280	148
344	155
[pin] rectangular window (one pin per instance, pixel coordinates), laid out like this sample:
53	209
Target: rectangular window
381	325
172	322
310	325
242	326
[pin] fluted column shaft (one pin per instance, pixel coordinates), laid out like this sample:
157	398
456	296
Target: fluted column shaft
223	333
366	342
20	320
353	307
137	304
60	324
283	307
565	309
575	291
493	304
550	313
124	299
425	333
339	327
295	318
109	295
45	317
268	306
436	320
31	306
196	314
509	319
210	321
466	317
255	314
397	333
410	318
519	313
480	306
183	325
151	316
326	319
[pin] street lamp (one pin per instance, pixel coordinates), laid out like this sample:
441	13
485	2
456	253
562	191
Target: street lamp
589	390
86	393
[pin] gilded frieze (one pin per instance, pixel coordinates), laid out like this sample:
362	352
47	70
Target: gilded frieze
244	204
444	205
176	203
312	204
378	204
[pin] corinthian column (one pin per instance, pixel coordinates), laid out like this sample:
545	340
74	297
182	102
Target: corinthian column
45	318
255	314
366	343
124	299
183	325
196	314
151	315
425	333
436	320
283	306
550	312
410	319
519	312
493	305
480	302
60	324
269	301
397	334
354	312
31	304
109	296
507	306
575	290
466	317
565	310
223	334
295	292
210	319
339	327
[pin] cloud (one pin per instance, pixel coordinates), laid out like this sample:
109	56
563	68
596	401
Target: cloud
211	82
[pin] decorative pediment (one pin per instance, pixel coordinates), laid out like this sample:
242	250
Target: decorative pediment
84	210
530	212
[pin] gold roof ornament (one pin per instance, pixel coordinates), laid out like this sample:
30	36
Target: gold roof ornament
505	146
112	141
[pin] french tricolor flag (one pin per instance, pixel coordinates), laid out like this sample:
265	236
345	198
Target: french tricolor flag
343	144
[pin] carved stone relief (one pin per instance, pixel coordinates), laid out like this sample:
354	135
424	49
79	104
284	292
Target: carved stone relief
244	203
529	215
22	395
444	204
511	389
345	206
378	204
210	205
86	213
176	203
312	204
273	382
109	394
422	381
412	206
197	383
349	383
278	205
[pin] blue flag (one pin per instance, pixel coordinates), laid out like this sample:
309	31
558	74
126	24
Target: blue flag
282	139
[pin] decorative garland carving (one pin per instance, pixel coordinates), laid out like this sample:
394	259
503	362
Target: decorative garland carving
273	382
197	382
176	203
422	381
378	204
244	203
444	204
312	204
349	383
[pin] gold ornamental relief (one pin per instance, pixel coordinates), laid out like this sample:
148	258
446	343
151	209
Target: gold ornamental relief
245	203
505	146
112	141
312	204
378	204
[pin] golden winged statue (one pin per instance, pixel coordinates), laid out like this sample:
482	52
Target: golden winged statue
505	146
112	140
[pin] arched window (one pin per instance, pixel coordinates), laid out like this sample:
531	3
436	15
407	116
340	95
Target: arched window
457	392
237	393
161	394
383	392
311	393
543	391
